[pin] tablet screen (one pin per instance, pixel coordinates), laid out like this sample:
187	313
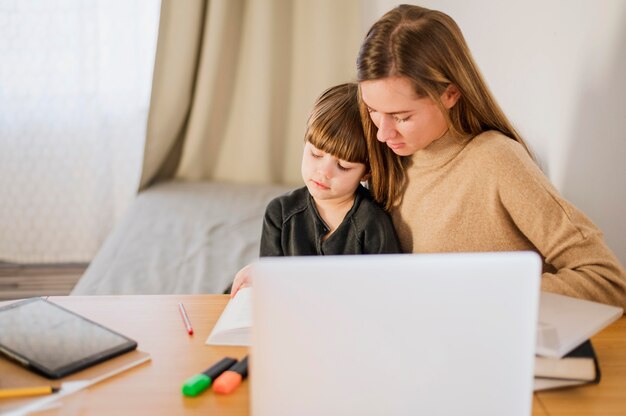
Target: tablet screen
56	341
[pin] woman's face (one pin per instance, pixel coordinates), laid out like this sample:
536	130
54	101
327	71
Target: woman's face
406	122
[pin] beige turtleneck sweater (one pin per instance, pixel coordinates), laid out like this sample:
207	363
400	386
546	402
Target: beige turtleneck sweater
486	194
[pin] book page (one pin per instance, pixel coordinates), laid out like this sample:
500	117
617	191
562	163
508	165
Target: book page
551	383
572	368
233	326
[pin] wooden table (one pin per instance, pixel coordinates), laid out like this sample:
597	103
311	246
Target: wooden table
154	387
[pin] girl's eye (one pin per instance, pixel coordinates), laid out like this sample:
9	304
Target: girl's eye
315	155
343	168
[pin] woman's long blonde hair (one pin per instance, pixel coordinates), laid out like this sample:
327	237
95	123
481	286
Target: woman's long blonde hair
427	47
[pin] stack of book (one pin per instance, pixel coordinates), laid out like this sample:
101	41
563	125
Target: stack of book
578	367
565	355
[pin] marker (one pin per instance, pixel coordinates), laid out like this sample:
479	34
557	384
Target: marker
232	378
195	385
186	320
27	391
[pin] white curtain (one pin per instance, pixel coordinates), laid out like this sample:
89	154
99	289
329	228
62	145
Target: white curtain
75	78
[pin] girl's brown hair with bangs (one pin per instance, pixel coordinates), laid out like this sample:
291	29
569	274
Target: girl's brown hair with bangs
334	125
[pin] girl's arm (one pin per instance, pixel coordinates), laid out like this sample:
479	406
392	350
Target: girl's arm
242	279
270	244
271	237
377	233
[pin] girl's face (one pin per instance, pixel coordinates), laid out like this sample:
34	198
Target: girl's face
406	122
329	178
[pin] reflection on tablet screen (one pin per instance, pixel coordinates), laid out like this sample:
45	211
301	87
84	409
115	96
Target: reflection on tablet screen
49	336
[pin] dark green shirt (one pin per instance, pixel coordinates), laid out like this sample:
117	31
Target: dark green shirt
293	227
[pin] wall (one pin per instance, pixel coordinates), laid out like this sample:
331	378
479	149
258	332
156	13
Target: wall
557	68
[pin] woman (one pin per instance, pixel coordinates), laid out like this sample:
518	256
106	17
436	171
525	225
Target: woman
459	176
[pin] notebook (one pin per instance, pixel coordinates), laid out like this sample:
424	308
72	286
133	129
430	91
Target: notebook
565	322
394	334
234	324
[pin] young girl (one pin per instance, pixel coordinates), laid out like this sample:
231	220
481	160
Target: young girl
458	175
332	214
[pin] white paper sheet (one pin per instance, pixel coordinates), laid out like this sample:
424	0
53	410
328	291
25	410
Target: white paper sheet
234	325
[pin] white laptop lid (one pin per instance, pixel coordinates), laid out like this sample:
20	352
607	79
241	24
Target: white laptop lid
431	334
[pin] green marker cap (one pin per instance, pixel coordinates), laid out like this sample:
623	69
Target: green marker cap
195	385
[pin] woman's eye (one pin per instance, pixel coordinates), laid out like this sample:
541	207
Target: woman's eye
400	120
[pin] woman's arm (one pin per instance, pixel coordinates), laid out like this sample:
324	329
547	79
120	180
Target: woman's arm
583	265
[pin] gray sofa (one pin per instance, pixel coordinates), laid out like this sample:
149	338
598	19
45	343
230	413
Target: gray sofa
180	237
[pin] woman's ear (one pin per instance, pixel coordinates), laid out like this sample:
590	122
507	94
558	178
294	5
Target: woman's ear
450	96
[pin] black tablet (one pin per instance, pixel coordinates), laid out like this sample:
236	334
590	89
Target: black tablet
53	341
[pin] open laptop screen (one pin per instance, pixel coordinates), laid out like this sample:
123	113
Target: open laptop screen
394	334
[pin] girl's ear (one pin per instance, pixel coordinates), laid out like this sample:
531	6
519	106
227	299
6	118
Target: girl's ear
365	177
450	96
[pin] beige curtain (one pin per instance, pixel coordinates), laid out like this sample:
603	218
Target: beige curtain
234	81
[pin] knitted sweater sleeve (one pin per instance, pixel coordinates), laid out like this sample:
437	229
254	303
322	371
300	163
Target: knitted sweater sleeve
580	264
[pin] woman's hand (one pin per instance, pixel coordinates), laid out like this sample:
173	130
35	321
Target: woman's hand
242	279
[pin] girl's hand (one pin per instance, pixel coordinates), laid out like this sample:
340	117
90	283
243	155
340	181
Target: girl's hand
242	279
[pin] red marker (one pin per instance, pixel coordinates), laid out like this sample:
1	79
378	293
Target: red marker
230	379
186	320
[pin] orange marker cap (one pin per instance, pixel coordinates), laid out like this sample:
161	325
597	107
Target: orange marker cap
228	381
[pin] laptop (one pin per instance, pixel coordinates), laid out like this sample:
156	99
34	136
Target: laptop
405	334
